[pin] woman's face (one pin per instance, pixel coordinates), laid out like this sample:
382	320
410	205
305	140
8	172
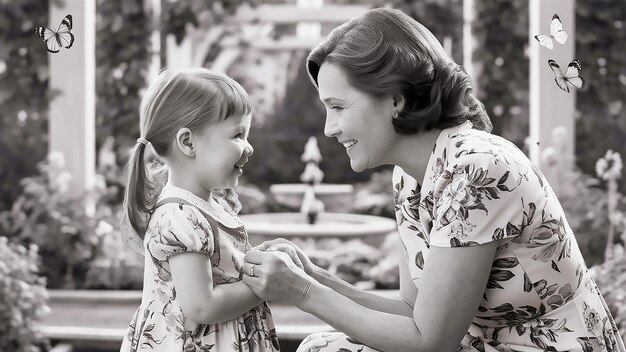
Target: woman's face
361	122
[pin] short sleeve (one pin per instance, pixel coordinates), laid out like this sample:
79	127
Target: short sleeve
477	199
180	229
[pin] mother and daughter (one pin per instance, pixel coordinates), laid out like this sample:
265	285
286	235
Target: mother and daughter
489	262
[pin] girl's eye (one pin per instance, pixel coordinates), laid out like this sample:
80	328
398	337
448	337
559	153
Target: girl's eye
239	135
336	107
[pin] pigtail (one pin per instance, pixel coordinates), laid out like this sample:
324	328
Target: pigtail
141	191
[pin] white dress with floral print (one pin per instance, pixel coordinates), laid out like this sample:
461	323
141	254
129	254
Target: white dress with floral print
480	188
184	224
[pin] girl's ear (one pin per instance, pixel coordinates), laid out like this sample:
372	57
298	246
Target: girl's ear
185	143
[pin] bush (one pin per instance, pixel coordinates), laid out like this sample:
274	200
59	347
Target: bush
611	279
114	266
23	299
62	225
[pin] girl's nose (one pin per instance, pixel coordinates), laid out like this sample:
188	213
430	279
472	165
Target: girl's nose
249	150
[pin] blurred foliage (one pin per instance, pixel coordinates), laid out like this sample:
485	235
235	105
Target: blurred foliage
120	77
444	18
601	48
585	205
24	94
65	227
23	299
501	65
503	82
114	267
611	279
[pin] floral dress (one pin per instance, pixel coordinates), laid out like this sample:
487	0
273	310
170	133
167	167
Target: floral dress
480	188
183	222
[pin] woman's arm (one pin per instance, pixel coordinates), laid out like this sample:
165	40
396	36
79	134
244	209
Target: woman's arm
200	300
368	299
451	289
450	292
371	300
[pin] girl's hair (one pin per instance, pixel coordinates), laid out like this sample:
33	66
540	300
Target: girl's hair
192	98
384	51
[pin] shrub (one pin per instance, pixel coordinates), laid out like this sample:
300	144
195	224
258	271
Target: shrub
23	299
63	225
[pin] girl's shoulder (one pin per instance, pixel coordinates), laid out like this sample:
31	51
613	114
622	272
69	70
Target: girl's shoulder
177	227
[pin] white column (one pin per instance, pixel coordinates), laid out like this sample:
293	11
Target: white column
468	39
308	30
179	56
155	38
550	107
72	73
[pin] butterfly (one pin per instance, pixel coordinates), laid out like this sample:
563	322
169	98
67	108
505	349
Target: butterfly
556	33
61	38
568	79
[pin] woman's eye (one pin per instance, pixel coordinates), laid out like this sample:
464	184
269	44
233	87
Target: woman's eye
336	107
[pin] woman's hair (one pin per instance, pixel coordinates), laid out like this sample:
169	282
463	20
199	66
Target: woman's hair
192	98
386	52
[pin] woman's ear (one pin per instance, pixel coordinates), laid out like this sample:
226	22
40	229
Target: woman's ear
398	102
185	143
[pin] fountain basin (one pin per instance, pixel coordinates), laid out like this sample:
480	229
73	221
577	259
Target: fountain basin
344	226
336	197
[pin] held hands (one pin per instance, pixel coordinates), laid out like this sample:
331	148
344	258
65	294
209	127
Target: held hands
295	253
274	277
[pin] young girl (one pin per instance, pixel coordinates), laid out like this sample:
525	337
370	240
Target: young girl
197	122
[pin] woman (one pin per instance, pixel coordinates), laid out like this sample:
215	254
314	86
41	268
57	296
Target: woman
489	262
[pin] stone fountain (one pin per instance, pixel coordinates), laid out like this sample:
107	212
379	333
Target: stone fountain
314	221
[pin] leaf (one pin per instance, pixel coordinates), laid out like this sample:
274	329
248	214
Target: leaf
555	267
528	286
508	263
502	179
419	260
503	308
504	188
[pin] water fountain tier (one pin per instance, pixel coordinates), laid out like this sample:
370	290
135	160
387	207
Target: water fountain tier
314	200
336	197
371	229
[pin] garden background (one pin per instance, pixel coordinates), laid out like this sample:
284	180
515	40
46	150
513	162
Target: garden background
50	239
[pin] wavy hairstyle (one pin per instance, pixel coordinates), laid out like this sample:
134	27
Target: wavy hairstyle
384	51
192	98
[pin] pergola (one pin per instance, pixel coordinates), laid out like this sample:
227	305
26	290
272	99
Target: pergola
72	72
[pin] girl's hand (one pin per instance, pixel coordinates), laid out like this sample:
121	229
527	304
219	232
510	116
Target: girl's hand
274	277
288	247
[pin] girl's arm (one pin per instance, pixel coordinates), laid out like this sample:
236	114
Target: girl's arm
199	299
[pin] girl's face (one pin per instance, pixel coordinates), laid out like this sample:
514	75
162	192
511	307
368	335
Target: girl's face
221	151
359	121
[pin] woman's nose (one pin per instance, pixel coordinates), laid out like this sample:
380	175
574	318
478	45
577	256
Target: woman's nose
331	128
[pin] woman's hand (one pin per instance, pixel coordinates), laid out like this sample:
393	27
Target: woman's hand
274	277
288	247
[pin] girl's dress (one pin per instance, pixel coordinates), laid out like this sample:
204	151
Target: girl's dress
480	188
183	222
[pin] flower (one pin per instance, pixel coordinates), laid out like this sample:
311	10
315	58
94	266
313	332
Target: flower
610	166
56	159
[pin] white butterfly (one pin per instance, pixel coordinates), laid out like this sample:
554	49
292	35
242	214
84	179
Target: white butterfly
61	38
568	79
556	33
